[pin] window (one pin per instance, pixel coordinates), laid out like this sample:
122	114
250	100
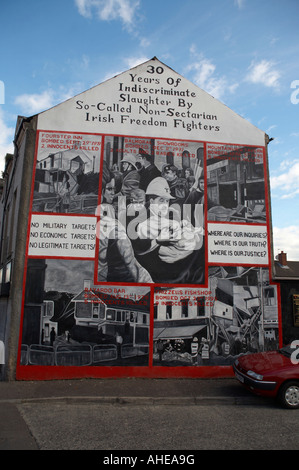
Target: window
110	314
8	272
296	309
119	315
102	311
269	296
95	312
12	222
168	311
200	306
184	303
133	317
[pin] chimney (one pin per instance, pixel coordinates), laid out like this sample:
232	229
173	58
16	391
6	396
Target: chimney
282	258
87	284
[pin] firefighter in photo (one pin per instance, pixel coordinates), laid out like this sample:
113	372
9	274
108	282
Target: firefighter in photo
168	247
130	175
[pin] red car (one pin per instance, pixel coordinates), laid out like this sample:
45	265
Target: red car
271	374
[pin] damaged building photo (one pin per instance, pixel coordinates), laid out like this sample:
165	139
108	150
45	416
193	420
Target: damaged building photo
236	184
70	322
238	314
67	179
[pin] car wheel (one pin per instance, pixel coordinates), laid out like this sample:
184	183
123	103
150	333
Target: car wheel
288	395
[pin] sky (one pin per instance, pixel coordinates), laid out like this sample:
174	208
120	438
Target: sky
245	53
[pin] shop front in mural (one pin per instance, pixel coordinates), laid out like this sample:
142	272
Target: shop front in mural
149	236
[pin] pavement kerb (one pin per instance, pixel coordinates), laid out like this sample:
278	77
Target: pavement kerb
135	401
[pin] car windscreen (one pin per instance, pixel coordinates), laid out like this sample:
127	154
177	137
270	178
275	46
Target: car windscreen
286	351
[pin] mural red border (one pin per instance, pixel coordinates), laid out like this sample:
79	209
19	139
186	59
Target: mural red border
36	372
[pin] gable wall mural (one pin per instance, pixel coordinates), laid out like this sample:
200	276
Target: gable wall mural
149	237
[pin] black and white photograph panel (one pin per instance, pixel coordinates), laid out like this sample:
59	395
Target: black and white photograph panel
151	216
68	321
237	314
67	173
235	183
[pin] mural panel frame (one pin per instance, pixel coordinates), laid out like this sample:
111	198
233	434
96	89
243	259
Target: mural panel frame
103	275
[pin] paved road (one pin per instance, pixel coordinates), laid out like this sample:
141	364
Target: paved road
92	426
142	415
